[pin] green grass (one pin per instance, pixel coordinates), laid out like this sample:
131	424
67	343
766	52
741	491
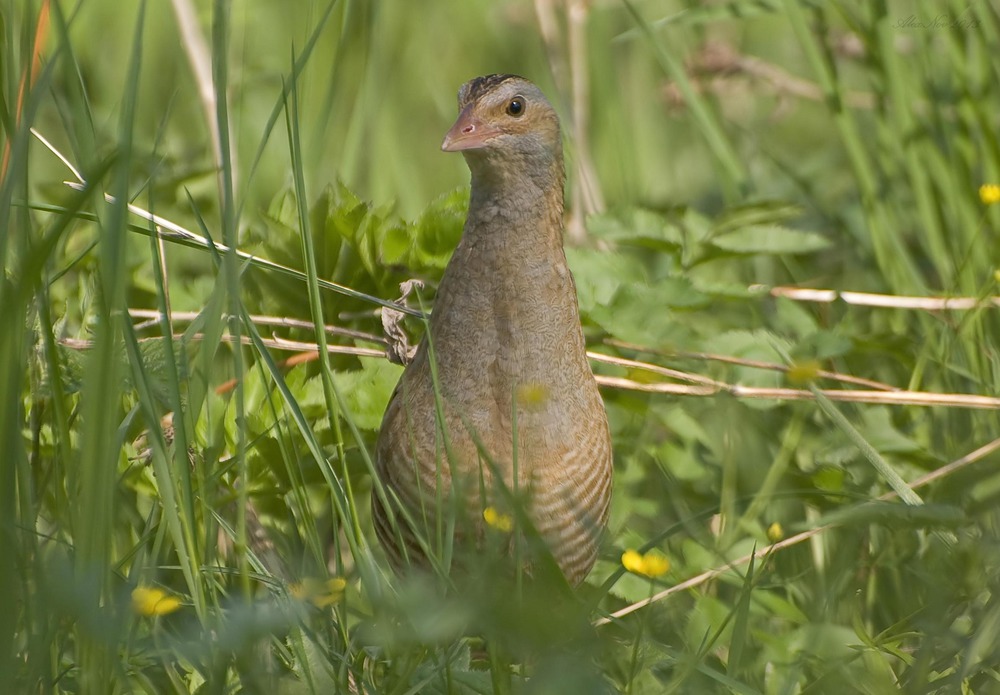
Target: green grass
848	156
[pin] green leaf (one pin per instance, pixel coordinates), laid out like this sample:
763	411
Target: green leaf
313	671
284	209
829	478
643	313
599	274
397	245
878	429
72	365
762	213
770	239
752	345
637	227
723	289
366	391
438	230
675	291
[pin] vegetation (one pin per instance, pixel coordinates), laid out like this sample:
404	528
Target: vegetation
720	154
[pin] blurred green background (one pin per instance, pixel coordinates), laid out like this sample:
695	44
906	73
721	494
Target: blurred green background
379	91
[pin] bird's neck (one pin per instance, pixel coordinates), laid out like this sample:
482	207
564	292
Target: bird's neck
506	320
516	206
507	295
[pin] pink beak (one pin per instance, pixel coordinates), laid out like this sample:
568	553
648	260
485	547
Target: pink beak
468	133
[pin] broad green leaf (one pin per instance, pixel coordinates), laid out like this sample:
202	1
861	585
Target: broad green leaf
644	314
722	288
752	345
397	245
600	274
637	227
314	672
770	239
366	391
829	478
878	429
284	210
762	213
439	228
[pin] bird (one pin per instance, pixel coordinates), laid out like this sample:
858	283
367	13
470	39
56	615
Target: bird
499	394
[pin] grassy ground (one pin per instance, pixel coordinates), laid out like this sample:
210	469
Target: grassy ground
718	153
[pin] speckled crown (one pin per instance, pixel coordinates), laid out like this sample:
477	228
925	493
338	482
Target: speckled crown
476	88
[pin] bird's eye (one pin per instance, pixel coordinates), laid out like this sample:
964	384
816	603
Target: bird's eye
516	106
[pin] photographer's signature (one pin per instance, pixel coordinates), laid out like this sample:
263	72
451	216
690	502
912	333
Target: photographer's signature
941	21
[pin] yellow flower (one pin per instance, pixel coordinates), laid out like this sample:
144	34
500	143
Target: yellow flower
498	520
149	602
775	533
532	397
652	564
989	193
803	372
321	593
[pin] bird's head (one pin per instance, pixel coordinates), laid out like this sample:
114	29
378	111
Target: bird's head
505	121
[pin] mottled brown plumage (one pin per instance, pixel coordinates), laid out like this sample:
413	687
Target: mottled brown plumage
517	396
